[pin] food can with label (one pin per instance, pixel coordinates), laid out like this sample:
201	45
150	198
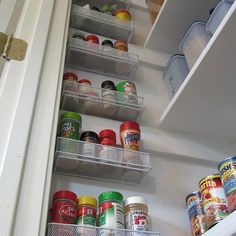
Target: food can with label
111	212
70	125
214	199
136	214
64	207
196	213
227	170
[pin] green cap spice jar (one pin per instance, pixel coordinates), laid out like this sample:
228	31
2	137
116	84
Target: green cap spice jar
111	212
70	125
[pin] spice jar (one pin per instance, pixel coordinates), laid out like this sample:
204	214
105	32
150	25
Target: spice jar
87	210
92	38
136	214
111	212
107	9
70	82
70	76
107	43
107	134
64	207
89	152
84	86
121	45
130	135
122	14
78	35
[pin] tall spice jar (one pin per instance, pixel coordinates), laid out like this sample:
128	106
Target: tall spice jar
136	214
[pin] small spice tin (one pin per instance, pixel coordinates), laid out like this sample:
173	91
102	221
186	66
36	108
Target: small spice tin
121	45
214	199
227	170
92	38
122	14
196	213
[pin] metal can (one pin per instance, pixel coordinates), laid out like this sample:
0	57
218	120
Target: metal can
227	170
214	199
64	207
111	212
196	213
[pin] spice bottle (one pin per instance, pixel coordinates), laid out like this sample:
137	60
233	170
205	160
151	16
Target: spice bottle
70	76
121	45
111	212
84	86
89	153
92	38
64	207
136	214
79	35
70	82
109	98
122	14
107	134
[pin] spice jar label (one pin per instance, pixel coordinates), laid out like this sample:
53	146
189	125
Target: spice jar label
137	220
86	216
65	214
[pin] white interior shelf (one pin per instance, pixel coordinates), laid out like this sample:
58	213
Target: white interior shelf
173	22
96	161
116	106
120	4
205	104
225	227
54	229
100	23
100	59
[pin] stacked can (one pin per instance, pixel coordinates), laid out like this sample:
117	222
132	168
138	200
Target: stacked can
196	213
214	199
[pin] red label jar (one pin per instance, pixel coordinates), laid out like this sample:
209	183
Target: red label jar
130	135
107	134
64	207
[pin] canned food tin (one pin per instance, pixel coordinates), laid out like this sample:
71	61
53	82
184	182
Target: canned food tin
227	170
214	199
196	214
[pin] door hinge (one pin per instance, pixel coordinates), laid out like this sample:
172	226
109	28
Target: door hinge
12	48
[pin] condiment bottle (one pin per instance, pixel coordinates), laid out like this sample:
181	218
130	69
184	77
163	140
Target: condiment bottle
111	212
109	98
121	45
64	207
136	214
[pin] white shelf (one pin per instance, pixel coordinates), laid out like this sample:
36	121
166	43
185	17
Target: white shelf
224	228
173	21
96	161
122	107
55	229
205	104
100	59
100	23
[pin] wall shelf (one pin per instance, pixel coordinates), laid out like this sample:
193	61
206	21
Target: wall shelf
89	160
116	106
100	23
55	229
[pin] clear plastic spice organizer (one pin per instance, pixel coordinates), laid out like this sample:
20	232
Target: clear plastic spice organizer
100	102
100	23
55	229
78	158
100	59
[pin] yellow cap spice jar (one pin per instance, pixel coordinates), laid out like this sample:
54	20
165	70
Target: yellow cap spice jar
136	214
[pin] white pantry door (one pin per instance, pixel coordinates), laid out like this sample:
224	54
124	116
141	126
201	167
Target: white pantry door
30	21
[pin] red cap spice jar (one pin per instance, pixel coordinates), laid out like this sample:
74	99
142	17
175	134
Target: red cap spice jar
64	207
70	76
130	135
92	38
121	45
84	86
122	14
107	134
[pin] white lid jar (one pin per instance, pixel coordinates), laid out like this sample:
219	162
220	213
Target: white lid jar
136	214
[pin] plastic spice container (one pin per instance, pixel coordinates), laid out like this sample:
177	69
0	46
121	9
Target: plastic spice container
106	9
176	70
107	43
227	170
92	38
89	137
70	125
130	135
78	35
121	45
70	82
70	76
109	98
107	134
84	86
122	14
194	42
218	15
128	92
64	207
87	210
214	199
111	212
136	214
196	213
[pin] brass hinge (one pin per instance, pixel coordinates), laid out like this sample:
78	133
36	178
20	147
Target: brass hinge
12	48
